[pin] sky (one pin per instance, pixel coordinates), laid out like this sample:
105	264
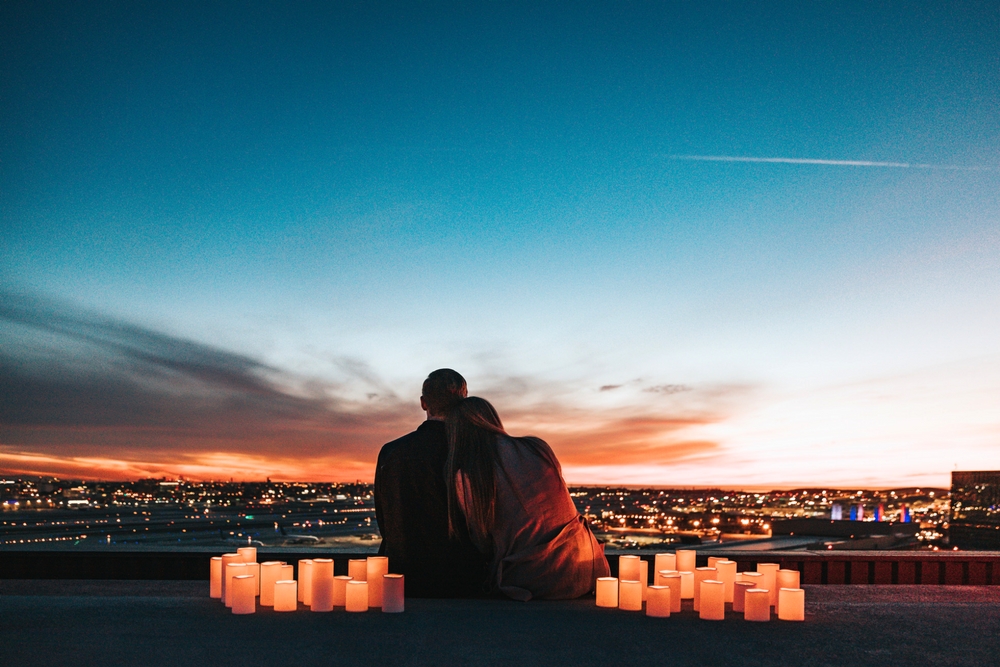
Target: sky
687	244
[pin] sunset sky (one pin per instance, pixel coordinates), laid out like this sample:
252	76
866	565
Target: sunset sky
688	244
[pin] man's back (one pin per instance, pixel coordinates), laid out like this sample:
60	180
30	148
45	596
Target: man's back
411	507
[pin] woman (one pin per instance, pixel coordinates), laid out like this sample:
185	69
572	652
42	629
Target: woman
510	495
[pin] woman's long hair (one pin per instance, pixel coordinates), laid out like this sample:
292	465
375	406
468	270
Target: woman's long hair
474	430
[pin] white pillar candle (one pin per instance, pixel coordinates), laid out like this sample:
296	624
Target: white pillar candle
227	559
784	579
686	560
791	604
713	600
269	572
712	560
757	605
232	570
287	573
628	568
687	585
305	581
644	577
340	590
215	569
607	592
285	596
357	569
755	578
673	582
392	593
356	595
244	594
701	574
254	569
658	579
630	595
739	591
727	575
322	585
664	562
658	601
770	571
248	554
377	567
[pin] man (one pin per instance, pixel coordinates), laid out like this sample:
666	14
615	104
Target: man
411	503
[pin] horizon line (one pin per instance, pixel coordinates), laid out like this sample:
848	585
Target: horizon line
827	162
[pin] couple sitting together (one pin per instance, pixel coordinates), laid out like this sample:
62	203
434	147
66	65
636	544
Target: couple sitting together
466	510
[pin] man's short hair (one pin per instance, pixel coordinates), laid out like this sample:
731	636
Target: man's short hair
442	390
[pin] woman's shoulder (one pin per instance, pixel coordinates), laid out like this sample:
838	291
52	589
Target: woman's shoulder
535	446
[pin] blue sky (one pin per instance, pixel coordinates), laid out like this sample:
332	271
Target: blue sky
345	196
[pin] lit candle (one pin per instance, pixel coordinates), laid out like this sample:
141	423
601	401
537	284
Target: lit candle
673	582
227	559
215	587
701	574
322	585
628	568
305	581
785	579
686	560
727	575
377	566
770	571
287	572
644	577
340	590
739	591
755	578
357	569
269	573
248	554
712	560
285	596
687	585
232	570
630	595
757	605
607	591
713	600
664	562
244	594
254	569
661	574
356	595
791	604
392	593
658	601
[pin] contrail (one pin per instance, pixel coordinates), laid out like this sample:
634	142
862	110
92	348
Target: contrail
834	163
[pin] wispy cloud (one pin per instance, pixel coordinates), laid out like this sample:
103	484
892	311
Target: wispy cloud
830	163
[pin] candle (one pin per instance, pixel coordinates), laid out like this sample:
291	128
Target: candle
377	566
248	554
661	574
287	573
226	560
686	560
791	604
739	590
644	577
727	575
755	578
769	570
356	595
712	560
215	586
628	568
305	581
630	595
244	594
757	605
785	579
340	590
664	562
285	596
607	592
269	572
658	601
687	585
232	570
357	569
392	593
713	600
701	574
254	569
673	582
322	585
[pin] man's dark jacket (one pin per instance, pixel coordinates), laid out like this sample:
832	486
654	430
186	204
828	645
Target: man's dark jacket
411	507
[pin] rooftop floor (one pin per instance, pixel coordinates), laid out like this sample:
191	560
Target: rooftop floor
149	623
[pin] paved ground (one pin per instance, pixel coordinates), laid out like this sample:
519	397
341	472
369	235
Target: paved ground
111	623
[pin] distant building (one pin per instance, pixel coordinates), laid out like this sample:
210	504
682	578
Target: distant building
975	510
